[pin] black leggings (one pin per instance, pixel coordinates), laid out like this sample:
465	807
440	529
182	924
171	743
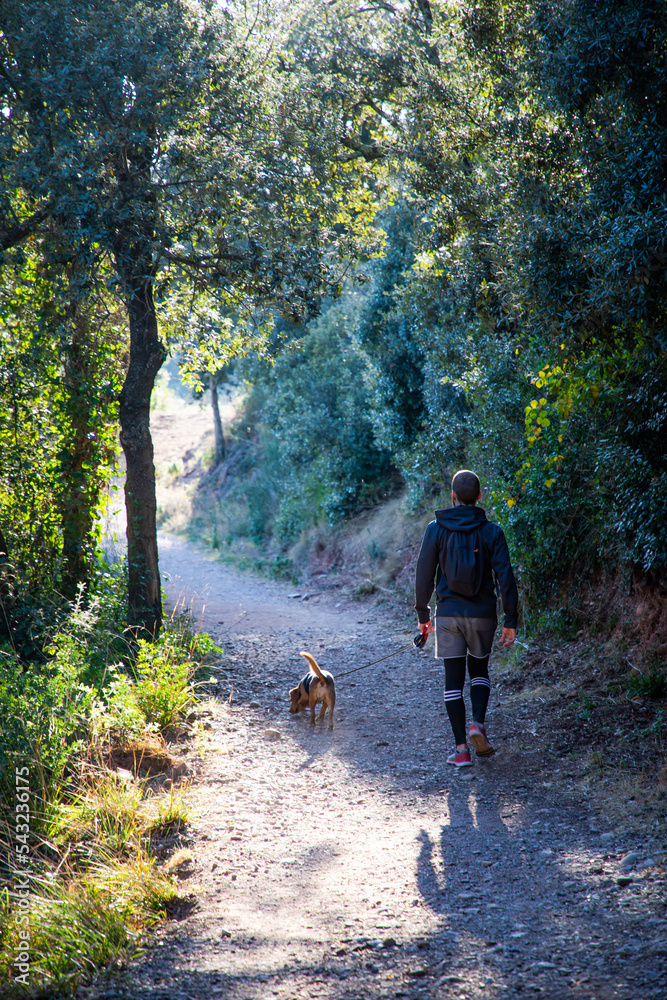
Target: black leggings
480	687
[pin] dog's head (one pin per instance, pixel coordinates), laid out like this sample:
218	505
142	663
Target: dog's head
295	698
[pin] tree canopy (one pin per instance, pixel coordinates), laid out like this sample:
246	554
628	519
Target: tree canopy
515	318
145	145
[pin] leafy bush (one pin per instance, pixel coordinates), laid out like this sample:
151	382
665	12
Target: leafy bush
51	713
44	715
592	481
162	690
60	377
314	456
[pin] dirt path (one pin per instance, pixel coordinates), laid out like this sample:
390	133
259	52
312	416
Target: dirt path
356	864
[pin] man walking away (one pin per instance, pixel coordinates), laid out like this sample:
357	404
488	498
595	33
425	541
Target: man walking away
463	552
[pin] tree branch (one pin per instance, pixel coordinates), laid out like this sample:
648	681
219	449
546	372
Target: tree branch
358	148
204	263
11	235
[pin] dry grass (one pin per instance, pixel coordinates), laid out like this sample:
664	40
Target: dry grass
147	755
96	885
373	554
180	859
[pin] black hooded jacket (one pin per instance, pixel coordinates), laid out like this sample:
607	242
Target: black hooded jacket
496	561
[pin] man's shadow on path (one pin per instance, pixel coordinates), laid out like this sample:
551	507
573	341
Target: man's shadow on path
474	814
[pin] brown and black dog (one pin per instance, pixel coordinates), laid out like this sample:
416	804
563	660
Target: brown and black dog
317	686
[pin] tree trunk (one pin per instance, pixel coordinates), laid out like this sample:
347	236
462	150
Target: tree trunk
146	357
220	449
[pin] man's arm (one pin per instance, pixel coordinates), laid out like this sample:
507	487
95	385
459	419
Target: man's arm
427	564
502	567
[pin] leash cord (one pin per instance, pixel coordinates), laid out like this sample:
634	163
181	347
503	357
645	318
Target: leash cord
367	665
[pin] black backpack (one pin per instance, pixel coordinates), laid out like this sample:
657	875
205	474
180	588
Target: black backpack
463	562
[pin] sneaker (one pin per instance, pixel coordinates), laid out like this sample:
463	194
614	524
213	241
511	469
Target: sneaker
460	758
477	736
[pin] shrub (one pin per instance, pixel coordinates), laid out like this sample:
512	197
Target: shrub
162	690
314	455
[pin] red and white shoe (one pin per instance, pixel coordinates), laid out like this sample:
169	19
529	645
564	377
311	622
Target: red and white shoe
460	758
477	736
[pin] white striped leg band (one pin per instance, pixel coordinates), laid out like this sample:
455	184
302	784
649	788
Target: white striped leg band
453	695
480	680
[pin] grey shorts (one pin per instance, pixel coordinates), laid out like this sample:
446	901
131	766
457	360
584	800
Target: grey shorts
458	636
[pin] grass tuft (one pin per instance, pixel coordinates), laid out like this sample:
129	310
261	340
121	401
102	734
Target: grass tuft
83	924
651	683
172	816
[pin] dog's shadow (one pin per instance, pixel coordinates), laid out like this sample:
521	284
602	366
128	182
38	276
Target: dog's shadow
316	740
313	759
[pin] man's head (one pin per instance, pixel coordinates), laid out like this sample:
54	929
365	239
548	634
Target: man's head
465	488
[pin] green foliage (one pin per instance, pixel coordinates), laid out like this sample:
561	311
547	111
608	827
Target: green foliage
199	646
591	486
94	684
515	322
59	381
495	171
651	683
172	815
315	458
90	906
94	882
77	935
162	690
472	197
389	339
45	713
172	169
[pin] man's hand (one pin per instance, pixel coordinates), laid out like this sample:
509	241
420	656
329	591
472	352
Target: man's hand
425	628
507	637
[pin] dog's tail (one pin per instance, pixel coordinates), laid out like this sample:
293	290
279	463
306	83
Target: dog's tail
312	663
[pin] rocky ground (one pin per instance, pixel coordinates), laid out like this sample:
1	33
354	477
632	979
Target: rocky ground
356	863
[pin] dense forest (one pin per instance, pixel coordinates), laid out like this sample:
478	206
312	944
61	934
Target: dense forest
419	235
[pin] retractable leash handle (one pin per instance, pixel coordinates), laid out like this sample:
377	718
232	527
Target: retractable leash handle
420	640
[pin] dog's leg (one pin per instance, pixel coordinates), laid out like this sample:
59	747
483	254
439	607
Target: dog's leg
312	710
332	702
322	710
